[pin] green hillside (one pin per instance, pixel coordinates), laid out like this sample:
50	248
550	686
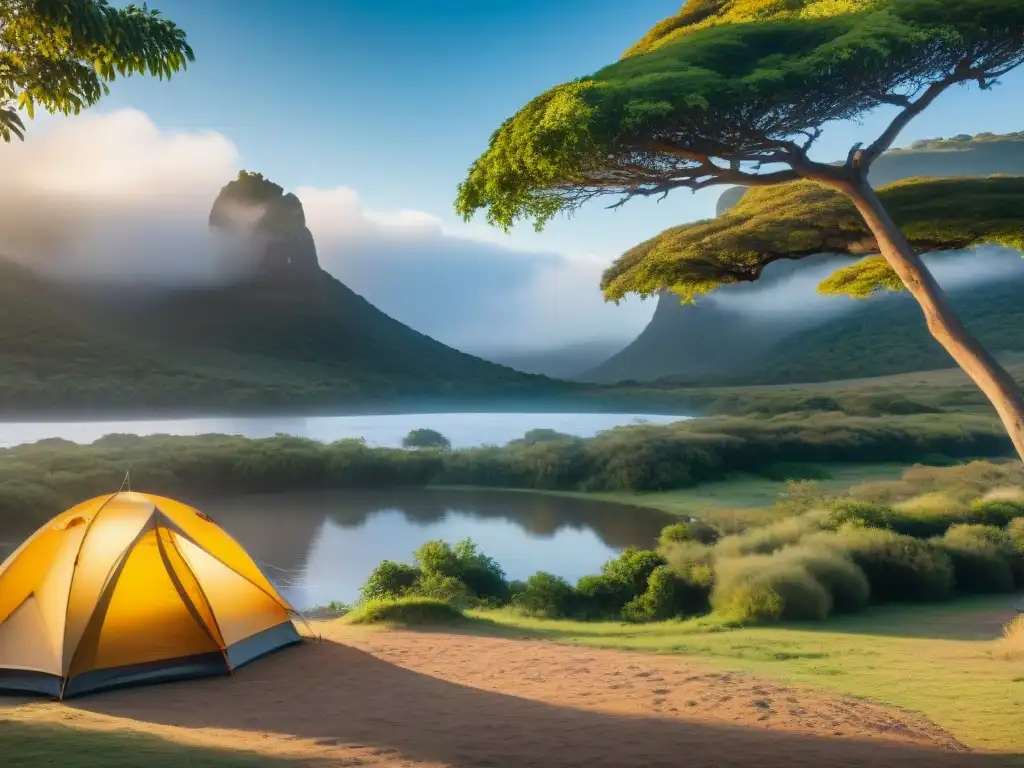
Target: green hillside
710	343
259	345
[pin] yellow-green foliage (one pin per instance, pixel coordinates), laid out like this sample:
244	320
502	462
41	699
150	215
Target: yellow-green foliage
984	559
770	538
803	219
763	588
1011	646
702	14
897	567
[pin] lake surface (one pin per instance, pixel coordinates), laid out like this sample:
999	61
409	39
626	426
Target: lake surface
464	430
320	547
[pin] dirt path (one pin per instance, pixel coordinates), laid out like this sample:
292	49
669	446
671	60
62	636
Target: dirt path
364	698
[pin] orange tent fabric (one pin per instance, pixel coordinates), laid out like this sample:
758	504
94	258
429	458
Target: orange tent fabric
131	588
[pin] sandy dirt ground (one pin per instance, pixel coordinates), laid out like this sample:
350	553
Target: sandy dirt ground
376	698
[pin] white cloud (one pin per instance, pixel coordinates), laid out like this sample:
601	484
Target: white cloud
112	196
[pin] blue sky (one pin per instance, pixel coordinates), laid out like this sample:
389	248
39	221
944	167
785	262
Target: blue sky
395	98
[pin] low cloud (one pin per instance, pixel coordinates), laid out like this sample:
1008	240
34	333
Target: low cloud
111	197
794	297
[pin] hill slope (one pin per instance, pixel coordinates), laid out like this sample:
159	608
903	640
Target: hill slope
710	343
289	334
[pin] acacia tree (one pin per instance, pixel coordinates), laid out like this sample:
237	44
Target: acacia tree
737	92
799	219
60	54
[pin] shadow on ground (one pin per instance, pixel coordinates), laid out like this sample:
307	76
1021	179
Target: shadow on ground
30	745
335	697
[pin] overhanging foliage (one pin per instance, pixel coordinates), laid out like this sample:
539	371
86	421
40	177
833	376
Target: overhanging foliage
803	218
726	87
60	54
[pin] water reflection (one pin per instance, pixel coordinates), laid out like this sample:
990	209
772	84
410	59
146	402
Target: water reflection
319	547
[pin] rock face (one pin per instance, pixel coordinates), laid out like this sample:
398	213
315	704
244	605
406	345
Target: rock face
704	340
282	246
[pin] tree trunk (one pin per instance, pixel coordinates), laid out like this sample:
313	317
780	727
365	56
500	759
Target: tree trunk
983	369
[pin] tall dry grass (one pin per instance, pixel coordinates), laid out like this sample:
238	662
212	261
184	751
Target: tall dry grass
1011	645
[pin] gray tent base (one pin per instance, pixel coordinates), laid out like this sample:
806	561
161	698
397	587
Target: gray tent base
186	668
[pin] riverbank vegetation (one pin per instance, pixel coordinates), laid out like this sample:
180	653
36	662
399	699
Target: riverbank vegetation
931	536
44	478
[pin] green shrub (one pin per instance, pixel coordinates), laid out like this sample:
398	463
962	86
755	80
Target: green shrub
1016	531
898	567
447	589
622	579
404	611
983	558
770	538
657	602
390	580
845	582
632	568
996	511
601	597
686	555
482	576
437	557
764	588
862	514
694	530
546	596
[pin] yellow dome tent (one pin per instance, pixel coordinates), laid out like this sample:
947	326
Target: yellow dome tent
131	588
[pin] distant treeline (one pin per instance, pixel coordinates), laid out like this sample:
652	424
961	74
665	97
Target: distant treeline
43	478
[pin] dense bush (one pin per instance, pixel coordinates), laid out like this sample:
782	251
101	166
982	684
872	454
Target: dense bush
695	530
482	577
761	588
845	582
545	596
390	580
770	538
996	511
1016	531
861	514
984	558
897	567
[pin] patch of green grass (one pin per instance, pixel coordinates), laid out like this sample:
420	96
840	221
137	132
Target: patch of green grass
942	661
404	611
737	492
38	744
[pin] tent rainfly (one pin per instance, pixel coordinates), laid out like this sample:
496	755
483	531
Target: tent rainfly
132	588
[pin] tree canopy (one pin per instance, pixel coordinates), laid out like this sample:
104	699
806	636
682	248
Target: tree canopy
803	218
726	90
426	438
60	54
